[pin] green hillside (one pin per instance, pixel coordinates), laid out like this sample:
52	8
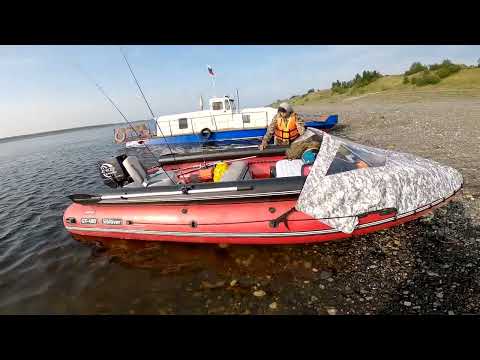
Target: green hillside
468	78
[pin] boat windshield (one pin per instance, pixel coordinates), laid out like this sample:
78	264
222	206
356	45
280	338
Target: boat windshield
309	134
352	157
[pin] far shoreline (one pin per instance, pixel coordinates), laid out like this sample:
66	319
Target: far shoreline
53	132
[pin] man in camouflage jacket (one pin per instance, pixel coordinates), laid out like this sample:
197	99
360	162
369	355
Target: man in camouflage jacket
292	127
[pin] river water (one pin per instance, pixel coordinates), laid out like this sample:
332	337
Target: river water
43	270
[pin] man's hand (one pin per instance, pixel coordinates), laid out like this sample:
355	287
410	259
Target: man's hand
262	146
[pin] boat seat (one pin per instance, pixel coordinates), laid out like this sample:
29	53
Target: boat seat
140	177
286	168
135	169
237	171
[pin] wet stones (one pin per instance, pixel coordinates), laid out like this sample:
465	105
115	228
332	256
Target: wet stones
331	311
273	305
208	285
259	293
324	275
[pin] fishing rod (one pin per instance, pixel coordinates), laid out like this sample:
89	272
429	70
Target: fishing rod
126	120
191	169
147	103
145	99
206	165
151	111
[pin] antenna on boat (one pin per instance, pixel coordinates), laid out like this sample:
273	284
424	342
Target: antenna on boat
126	120
238	101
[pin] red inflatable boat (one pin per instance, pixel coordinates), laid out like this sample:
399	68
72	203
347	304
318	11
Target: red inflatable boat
254	203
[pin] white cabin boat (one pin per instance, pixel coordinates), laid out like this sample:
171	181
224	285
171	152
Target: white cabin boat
222	115
222	122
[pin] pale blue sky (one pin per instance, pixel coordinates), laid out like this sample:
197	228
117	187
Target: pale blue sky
41	88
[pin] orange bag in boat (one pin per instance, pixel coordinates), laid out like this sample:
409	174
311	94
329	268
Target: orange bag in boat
206	174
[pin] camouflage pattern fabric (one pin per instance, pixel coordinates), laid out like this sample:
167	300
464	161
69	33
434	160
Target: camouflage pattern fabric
297	148
405	182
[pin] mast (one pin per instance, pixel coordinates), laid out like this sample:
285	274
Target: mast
238	101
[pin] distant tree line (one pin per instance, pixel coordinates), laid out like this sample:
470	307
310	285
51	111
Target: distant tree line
366	78
430	74
416	67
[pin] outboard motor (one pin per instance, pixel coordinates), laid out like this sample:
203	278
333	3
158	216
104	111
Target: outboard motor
113	172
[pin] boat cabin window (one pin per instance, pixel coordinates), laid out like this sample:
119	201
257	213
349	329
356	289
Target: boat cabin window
217	105
350	157
183	123
227	105
246	119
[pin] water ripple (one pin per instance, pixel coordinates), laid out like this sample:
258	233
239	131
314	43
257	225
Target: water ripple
36	252
43	270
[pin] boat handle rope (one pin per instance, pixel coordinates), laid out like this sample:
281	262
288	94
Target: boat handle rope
283	218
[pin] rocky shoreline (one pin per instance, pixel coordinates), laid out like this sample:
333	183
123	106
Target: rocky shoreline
428	266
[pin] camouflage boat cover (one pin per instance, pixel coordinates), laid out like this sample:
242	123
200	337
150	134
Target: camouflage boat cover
341	186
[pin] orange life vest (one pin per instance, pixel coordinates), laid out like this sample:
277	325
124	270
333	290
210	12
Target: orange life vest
287	130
